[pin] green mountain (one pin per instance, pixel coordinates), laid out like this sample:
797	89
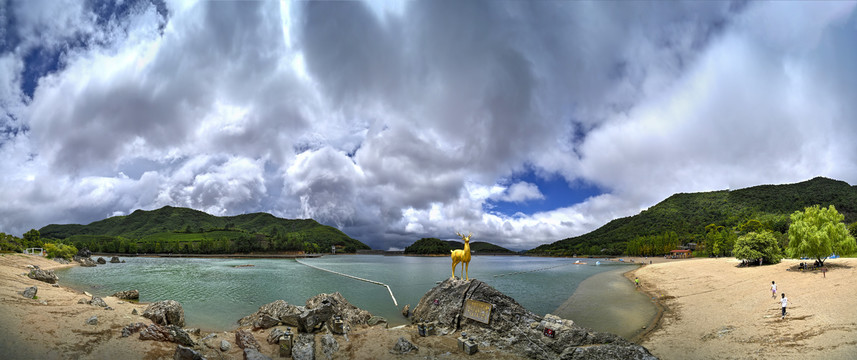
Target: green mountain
183	230
687	215
435	246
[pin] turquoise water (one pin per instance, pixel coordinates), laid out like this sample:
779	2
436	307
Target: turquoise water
215	293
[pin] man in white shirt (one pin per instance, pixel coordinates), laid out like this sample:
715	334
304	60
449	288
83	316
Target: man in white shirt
785	302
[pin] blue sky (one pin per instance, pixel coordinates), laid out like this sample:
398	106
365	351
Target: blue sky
522	122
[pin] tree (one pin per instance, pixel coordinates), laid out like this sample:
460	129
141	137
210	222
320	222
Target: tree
818	233
31	238
757	245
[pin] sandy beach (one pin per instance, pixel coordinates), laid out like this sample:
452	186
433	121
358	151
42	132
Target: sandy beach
717	310
53	327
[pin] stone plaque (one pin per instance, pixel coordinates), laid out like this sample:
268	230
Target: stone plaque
477	310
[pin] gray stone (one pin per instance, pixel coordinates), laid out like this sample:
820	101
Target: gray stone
97	301
114	260
83	301
47	276
225	345
375	320
86	262
167	312
92	320
329	346
101	261
83	253
186	353
132	329
265	322
108	308
274	335
55	285
170	333
403	346
279	309
30	292
253	354
134	312
245	339
61	260
406	311
127	295
304	347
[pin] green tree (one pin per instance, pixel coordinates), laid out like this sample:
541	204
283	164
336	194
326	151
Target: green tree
32	238
818	233
757	245
60	251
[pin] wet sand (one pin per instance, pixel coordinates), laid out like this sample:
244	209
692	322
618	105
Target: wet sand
717	310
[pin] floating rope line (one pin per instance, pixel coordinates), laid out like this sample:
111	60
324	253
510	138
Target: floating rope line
355	278
540	269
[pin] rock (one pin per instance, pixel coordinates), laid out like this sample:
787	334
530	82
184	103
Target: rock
304	347
83	253
83	301
56	285
61	260
225	345
403	346
253	354
279	309
47	276
92	320
32	267
511	328
193	331
406	311
123	261
127	295
265	322
171	333
375	320
329	346
244	339
132	328
101	260
134	312
167	312
339	306
186	353
86	262
108	308
30	292
274	335
97	301
114	260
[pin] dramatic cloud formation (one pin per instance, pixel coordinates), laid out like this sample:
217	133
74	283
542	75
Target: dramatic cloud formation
399	121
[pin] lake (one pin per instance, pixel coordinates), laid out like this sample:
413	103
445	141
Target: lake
215	293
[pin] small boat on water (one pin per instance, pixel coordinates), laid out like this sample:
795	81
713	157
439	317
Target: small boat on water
598	263
578	262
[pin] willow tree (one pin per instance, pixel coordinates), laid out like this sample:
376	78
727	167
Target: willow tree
818	233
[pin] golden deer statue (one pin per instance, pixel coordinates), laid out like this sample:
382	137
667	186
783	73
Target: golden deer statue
462	256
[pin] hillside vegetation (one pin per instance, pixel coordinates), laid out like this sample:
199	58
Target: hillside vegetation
182	230
435	246
708	218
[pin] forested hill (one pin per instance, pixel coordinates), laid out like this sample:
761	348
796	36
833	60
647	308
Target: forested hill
183	230
435	246
687	215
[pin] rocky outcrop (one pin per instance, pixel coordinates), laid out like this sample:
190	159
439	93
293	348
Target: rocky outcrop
167	312
86	262
169	333
114	260
101	260
329	346
304	347
61	260
47	276
244	339
133	328
186	353
274	335
403	346
310	318
375	320
127	295
30	292
514	328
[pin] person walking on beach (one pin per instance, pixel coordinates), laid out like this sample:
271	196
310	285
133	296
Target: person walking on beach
637	282
785	302
824	271
773	289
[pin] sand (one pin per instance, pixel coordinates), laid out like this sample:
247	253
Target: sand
53	327
714	309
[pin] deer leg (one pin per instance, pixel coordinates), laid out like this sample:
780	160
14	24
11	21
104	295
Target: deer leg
468	269
453	269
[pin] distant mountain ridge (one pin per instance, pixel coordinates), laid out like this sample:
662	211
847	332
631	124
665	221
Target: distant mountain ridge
687	214
435	246
175	227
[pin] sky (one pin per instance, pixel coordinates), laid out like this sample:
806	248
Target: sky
523	122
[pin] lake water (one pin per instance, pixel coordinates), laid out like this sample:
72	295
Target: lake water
215	293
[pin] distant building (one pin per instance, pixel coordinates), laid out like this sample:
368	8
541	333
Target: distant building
681	254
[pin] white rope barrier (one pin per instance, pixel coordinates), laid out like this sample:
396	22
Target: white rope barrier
355	278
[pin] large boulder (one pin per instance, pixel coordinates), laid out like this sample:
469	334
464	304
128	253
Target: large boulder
97	301
167	312
86	262
328	305
329	346
127	295
403	346
253	354
514	328
186	353
276	311
244	339
304	347
169	333
101	260
114	260
30	292
47	276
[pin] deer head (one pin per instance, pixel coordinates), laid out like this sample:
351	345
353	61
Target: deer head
465	238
